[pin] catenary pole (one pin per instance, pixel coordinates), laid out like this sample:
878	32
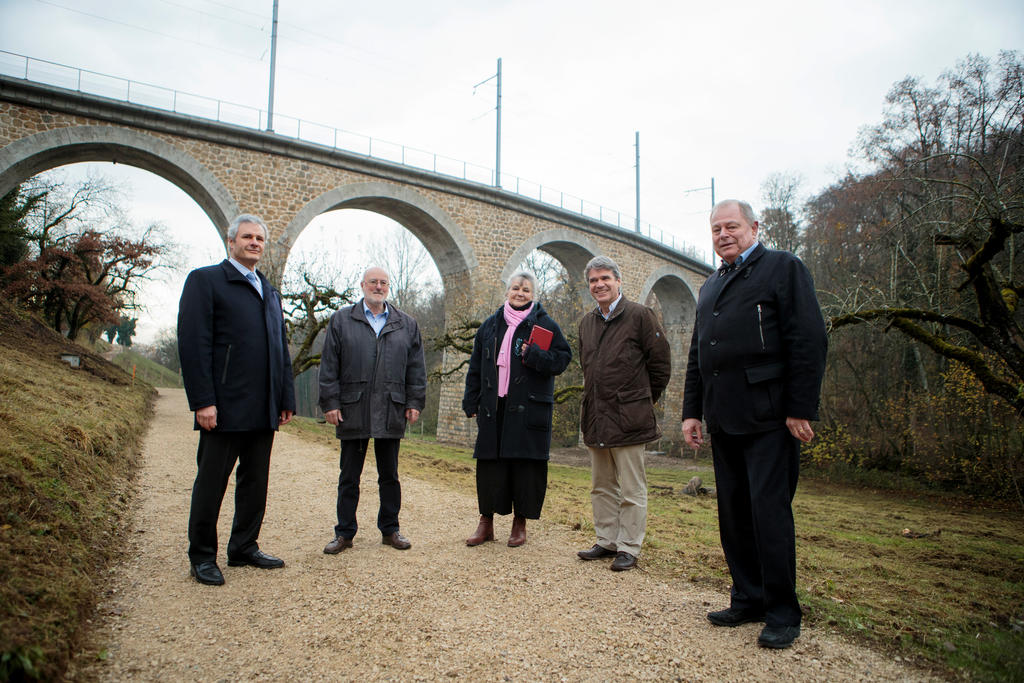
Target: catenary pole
273	63
497	152
637	145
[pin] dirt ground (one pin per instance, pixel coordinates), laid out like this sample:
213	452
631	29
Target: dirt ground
438	611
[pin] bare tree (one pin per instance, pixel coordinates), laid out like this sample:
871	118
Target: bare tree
307	312
409	265
942	266
780	221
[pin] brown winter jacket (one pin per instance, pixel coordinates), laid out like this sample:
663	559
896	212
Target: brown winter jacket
626	367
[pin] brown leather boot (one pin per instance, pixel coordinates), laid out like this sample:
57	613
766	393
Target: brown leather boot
518	536
484	531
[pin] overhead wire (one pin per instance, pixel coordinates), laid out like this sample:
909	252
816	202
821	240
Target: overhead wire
325	44
212	15
142	28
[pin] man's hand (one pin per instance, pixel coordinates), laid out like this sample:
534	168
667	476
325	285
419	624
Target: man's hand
411	414
801	429
334	417
207	417
286	417
692	433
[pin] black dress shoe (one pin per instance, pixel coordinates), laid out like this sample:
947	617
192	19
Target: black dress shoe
595	553
396	540
337	545
207	572
623	561
778	637
734	616
257	559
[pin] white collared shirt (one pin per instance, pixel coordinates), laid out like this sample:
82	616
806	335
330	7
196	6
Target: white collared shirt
610	308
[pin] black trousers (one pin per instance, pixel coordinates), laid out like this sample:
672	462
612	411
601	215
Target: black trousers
756	476
215	458
353	455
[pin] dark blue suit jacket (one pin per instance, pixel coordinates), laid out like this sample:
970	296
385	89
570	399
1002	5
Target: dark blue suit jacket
758	350
233	349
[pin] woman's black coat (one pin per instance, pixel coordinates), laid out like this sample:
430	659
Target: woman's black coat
526	427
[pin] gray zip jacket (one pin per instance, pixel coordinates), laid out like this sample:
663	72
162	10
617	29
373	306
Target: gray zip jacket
372	379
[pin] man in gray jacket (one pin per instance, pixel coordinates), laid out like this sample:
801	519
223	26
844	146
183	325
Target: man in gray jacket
372	381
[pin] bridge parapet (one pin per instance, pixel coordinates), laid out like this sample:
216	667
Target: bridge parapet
53	75
475	233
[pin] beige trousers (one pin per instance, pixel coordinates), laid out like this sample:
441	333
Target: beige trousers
619	496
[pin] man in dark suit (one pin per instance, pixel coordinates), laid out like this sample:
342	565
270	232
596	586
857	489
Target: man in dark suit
238	378
754	373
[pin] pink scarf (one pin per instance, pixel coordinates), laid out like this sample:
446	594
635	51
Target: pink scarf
513	318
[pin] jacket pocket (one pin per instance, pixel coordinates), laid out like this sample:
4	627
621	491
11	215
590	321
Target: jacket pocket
227	363
538	411
396	411
351	414
766	385
763	373
636	411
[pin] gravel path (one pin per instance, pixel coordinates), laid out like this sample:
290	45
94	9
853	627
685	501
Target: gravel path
440	610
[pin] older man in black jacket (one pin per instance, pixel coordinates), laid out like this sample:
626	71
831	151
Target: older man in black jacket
372	382
756	363
238	380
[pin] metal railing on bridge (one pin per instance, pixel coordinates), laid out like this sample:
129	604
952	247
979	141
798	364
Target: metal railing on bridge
158	97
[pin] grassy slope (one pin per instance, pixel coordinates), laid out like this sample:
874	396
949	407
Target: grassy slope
952	601
145	369
68	445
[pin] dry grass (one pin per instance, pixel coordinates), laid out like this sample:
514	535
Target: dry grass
145	369
952	601
68	443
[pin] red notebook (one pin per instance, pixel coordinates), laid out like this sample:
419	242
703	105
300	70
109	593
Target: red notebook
541	337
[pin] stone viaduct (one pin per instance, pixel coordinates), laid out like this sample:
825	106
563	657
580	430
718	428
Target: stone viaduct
476	234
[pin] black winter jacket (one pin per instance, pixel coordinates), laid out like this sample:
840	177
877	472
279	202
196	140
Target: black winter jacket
526	424
758	350
233	349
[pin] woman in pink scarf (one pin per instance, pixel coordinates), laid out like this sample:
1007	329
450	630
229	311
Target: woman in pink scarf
509	390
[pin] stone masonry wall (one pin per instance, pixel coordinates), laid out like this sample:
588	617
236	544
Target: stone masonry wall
277	187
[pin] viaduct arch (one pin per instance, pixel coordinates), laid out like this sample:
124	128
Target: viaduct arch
27	156
476	234
444	240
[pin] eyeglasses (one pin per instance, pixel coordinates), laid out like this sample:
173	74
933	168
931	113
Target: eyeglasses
377	283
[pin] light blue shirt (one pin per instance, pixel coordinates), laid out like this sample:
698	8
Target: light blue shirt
743	257
377	322
610	308
738	262
249	275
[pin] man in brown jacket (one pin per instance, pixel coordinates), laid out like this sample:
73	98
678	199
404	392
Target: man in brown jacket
626	366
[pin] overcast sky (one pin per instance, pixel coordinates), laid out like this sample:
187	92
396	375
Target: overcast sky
730	90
